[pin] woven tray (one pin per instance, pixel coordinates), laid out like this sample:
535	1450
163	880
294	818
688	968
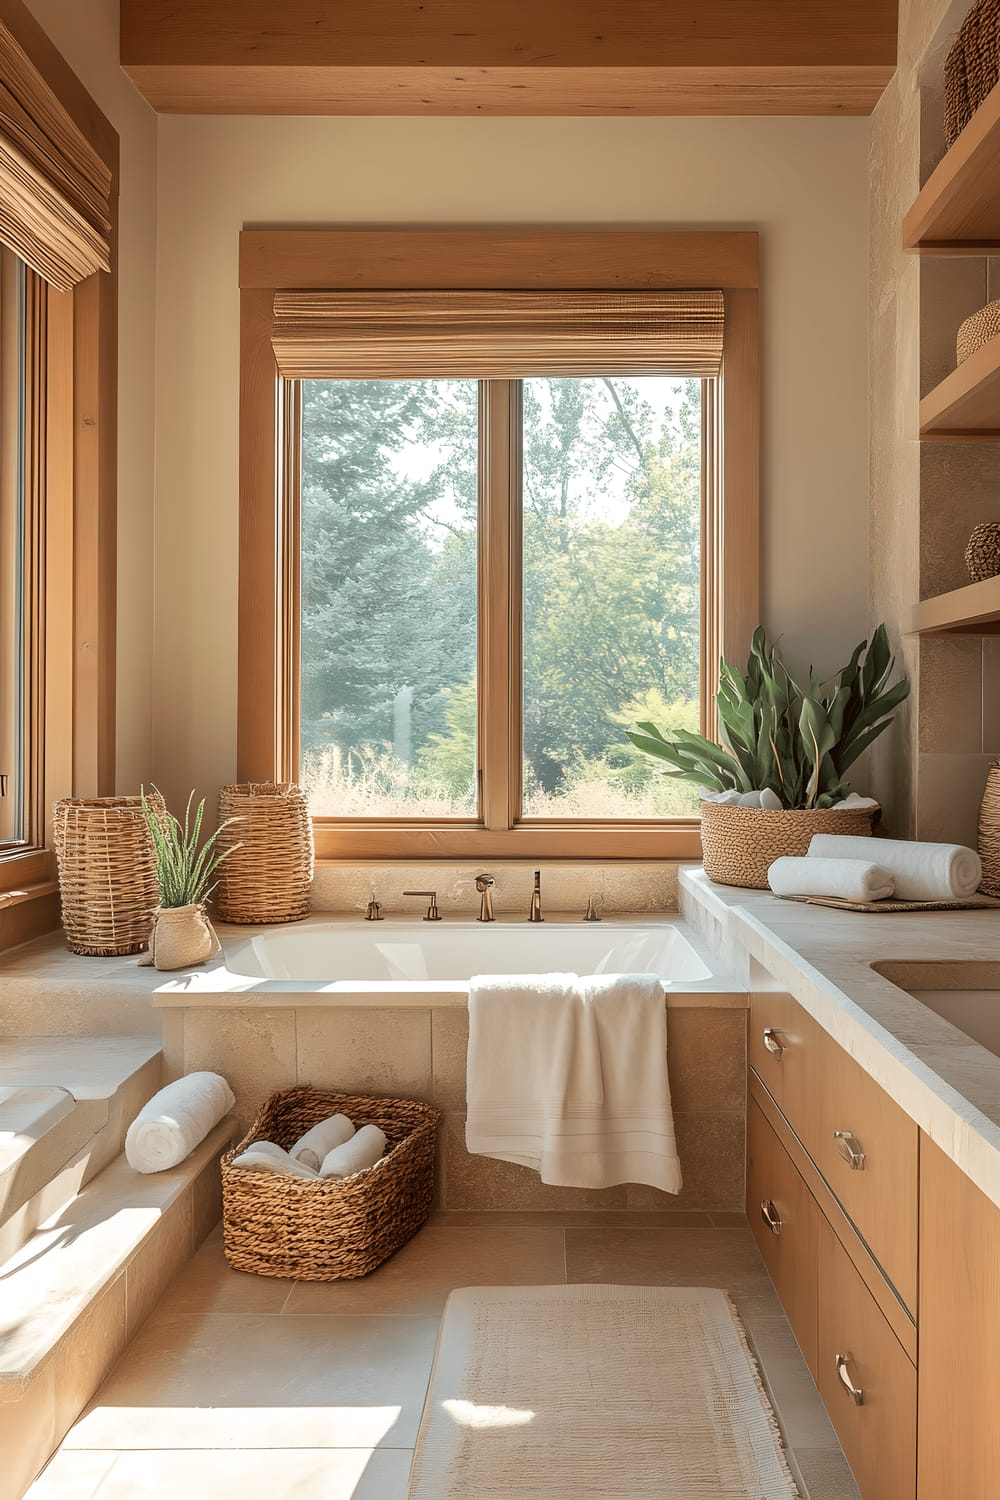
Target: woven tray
329	1231
881	908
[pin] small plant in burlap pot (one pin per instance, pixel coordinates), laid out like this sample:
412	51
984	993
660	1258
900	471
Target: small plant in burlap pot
183	935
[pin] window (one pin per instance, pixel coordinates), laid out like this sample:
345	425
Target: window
492	536
15	561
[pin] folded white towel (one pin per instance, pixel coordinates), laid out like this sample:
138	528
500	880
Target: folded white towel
363	1150
176	1120
265	1156
318	1142
569	1076
851	879
920	872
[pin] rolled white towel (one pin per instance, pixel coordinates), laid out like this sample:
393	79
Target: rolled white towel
920	872
851	879
265	1156
318	1142
363	1150
176	1120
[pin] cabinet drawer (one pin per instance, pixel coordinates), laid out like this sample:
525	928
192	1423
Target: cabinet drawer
782	1050
857	1351
867	1152
784	1220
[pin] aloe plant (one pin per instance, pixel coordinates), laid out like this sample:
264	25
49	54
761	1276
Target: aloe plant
184	870
798	741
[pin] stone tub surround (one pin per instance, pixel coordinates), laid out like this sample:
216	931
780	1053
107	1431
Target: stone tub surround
829	960
619	886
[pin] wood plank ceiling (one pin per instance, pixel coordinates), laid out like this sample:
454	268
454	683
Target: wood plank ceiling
510	57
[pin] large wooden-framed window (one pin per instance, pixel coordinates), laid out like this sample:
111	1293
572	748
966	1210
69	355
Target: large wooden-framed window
58	196
283	276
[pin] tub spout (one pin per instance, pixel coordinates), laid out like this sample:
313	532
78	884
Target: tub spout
535	909
484	885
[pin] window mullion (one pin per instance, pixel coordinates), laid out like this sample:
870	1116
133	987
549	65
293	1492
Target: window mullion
499	602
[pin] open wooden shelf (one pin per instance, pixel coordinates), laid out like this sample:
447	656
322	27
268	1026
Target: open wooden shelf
958	209
974	610
965	407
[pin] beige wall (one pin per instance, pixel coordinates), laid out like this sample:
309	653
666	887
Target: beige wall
87	36
800	182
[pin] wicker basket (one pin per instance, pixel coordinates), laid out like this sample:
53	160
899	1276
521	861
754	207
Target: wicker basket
989	832
739	844
268	877
107	873
972	67
982	555
977	331
329	1231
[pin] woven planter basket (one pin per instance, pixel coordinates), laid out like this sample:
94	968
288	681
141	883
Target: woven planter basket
329	1231
268	877
107	873
989	832
978	330
982	555
739	844
972	67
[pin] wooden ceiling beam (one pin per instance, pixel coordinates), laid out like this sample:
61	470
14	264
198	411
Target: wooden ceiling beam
525	57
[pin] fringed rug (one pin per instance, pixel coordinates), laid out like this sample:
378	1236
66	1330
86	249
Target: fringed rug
609	1392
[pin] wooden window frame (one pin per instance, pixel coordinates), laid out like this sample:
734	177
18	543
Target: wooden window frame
556	259
72	499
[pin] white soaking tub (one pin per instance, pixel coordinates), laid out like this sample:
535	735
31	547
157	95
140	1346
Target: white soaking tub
411	952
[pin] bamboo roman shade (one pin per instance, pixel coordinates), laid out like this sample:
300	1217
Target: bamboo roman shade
493	335
55	190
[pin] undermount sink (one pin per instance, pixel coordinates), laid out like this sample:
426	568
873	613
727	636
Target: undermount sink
966	994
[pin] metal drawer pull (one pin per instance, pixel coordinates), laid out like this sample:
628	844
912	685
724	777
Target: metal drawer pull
855	1392
770	1215
850	1149
771	1042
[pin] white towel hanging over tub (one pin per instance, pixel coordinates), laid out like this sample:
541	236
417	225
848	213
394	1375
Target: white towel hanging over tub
569	1076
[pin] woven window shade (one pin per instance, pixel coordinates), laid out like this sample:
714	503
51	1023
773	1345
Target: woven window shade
55	190
496	335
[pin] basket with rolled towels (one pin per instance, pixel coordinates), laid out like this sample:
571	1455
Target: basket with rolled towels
867	871
325	1186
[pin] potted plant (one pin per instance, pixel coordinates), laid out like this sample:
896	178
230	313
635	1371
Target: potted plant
785	748
182	934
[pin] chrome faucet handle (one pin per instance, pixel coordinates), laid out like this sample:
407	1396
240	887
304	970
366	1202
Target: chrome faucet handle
484	885
373	911
433	915
590	915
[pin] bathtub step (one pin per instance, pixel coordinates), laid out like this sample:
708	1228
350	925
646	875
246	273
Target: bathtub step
65	1105
74	1294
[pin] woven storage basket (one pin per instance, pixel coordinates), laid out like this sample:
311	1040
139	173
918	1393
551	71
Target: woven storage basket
739	844
267	877
972	67
982	555
107	873
329	1231
977	331
989	832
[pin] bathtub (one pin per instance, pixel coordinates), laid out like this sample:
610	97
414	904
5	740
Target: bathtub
410	952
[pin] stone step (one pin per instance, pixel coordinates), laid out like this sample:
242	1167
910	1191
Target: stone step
74	1294
65	1105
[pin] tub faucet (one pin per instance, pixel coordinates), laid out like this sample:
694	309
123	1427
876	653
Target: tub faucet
484	885
535	909
433	915
373	911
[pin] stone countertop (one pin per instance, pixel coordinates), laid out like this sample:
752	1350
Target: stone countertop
46	973
945	1081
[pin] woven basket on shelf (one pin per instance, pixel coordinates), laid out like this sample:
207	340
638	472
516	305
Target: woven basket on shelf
329	1231
989	832
267	876
739	844
978	330
972	67
982	555
107	873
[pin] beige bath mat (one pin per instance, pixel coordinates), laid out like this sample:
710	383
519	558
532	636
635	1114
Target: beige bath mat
607	1392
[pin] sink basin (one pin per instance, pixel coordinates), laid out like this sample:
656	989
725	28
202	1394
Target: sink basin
966	994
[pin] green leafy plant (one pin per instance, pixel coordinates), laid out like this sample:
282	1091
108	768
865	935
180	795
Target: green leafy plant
797	741
184	870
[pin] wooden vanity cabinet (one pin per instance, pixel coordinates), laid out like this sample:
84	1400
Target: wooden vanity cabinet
958	1440
784	1221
